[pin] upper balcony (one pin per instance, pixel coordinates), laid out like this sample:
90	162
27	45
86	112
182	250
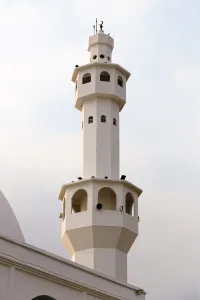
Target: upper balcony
100	79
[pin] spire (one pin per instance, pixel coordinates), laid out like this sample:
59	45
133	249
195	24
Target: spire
100	45
95	29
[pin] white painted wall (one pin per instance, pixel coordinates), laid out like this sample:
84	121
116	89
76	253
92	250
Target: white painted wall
98	50
4	281
100	140
35	286
111	262
27	272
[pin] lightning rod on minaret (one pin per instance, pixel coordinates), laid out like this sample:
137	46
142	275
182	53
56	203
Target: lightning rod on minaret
96	25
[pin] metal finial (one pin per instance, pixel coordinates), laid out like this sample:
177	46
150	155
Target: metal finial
96	25
101	25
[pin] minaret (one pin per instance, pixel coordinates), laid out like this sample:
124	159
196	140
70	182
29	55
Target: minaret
100	210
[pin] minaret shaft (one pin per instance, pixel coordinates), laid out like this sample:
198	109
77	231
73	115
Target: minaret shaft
113	265
100	138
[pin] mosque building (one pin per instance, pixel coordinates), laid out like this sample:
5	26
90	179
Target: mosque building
99	218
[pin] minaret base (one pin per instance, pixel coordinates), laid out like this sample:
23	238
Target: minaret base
110	262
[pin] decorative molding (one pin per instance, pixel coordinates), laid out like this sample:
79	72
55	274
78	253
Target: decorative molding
98	64
44	273
50	276
124	182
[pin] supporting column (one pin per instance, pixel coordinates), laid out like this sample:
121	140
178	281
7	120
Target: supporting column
11	278
111	262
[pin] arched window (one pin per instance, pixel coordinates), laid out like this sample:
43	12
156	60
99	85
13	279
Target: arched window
90	120
107	198
120	81
130	204
79	201
43	298
104	76
86	78
103	119
114	122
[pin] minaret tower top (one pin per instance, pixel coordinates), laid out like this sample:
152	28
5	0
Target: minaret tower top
100	46
100	209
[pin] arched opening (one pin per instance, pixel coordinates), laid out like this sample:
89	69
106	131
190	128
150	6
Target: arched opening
107	198
43	298
114	122
130	204
120	81
86	78
103	119
90	120
79	201
105	76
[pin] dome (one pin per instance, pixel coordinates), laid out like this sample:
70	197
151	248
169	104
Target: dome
9	225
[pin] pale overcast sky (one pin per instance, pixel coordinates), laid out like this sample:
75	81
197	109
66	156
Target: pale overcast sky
158	42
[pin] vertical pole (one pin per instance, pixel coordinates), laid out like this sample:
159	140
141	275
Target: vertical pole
96	25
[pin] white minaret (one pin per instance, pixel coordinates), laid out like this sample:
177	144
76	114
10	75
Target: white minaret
100	210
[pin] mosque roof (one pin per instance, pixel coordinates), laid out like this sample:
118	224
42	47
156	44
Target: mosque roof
9	225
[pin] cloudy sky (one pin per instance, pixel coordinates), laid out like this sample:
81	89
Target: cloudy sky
40	131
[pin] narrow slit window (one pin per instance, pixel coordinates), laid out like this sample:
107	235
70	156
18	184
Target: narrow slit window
120	81
103	119
114	122
90	120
